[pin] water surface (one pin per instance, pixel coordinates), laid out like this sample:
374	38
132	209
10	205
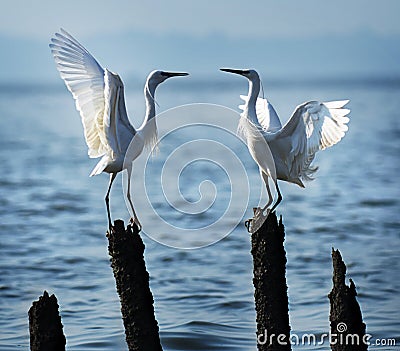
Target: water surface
53	224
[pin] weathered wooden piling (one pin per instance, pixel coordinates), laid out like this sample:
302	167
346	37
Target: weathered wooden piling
347	327
269	279
126	249
45	328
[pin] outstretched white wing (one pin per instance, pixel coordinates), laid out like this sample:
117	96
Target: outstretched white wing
98	93
313	126
117	128
266	114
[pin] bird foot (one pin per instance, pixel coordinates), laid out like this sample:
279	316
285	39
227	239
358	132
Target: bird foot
135	221
247	224
258	220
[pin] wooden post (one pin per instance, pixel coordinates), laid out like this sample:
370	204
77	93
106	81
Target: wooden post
347	327
45	328
269	279
126	249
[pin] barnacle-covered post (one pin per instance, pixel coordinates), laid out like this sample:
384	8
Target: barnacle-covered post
347	326
269	279
126	249
45	328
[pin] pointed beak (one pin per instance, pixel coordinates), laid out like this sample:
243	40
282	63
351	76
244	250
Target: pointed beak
175	74
236	71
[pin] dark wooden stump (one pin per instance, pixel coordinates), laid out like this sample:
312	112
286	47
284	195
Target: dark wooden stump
126	249
347	327
45	328
269	279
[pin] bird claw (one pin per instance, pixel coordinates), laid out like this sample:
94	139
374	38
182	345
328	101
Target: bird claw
247	224
258	220
135	221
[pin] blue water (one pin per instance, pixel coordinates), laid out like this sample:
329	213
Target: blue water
53	223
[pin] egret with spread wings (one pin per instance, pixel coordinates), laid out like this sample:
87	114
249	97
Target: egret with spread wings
286	153
99	98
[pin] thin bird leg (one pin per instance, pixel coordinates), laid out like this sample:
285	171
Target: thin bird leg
265	177
278	201
259	218
112	177
128	195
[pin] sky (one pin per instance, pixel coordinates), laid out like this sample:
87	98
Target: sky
286	37
237	19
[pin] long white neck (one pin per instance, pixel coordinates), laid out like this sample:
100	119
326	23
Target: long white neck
149	92
250	106
148	129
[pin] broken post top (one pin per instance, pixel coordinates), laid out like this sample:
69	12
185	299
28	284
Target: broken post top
45	328
345	313
338	267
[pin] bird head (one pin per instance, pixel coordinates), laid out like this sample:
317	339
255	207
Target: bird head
250	74
157	77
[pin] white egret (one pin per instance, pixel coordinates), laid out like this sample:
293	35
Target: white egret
99	98
286	153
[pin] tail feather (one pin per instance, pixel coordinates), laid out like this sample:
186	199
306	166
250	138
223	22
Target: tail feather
99	168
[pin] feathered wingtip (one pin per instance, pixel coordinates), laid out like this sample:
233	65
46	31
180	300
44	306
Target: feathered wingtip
99	168
308	174
336	104
339	113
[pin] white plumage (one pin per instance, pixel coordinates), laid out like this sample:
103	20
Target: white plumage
99	98
266	114
286	153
